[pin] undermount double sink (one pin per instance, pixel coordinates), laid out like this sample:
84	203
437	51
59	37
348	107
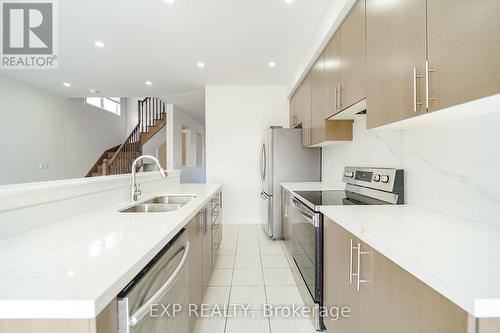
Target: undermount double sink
161	204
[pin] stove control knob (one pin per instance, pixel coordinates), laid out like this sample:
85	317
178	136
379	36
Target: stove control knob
349	174
376	178
384	179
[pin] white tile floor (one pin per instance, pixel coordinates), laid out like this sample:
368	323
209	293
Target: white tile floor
253	270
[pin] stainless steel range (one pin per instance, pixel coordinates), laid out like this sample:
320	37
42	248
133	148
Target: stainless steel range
365	186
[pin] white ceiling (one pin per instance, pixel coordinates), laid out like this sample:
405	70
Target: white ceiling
151	40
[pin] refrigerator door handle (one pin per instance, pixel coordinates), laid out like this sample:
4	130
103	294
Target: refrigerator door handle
264	164
260	162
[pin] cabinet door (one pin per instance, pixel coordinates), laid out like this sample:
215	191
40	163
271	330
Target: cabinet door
195	266
294	109
395	301
339	290
353	56
396	45
332	76
306	112
463	50
206	246
286	198
318	100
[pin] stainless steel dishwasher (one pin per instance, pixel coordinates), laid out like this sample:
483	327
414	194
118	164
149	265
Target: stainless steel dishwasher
148	302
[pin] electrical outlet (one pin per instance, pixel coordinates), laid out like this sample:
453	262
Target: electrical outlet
44	165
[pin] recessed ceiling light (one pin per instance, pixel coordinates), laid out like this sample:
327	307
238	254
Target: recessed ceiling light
67	84
93	91
272	64
170	1
200	65
99	44
289	1
149	83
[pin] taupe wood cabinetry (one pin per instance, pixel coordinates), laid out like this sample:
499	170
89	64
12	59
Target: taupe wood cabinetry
426	55
286	209
463	43
338	286
306	93
206	240
396	47
106	322
332	77
318	105
195	266
389	299
353	56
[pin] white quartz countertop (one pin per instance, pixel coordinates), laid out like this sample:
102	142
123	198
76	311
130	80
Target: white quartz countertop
456	257
74	268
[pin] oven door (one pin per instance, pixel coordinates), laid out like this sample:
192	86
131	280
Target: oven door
307	247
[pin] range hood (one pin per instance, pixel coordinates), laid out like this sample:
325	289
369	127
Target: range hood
353	112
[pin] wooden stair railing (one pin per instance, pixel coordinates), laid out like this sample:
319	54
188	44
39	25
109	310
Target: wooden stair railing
152	117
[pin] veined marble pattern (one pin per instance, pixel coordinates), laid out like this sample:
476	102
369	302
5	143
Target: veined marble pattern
452	168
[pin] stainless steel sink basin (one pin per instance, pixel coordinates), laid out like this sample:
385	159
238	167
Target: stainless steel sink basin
162	204
151	208
171	199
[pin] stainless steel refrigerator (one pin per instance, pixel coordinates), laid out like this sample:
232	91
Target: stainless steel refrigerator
283	159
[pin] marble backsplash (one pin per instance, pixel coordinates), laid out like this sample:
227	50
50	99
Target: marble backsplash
452	168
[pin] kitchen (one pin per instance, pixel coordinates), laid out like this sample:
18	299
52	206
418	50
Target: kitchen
360	181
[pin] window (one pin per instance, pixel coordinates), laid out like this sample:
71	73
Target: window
111	104
199	150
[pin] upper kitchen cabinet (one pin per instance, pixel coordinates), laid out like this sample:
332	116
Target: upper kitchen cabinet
318	99
325	132
396	54
332	77
424	56
353	56
295	114
463	51
300	110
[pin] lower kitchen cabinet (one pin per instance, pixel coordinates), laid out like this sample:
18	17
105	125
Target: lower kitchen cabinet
389	299
195	266
206	240
286	206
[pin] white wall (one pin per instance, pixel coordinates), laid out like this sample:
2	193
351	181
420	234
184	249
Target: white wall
176	119
37	126
236	118
453	167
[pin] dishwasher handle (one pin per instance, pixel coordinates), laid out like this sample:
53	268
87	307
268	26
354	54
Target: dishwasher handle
143	310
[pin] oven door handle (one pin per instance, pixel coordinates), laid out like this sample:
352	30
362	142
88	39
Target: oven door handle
144	309
313	219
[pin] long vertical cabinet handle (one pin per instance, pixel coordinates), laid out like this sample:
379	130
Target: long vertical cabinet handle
427	97
340	97
336	98
415	77
358	274
351	273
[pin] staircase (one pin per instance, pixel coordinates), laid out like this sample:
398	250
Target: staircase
118	160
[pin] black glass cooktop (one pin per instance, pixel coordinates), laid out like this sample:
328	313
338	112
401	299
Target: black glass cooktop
337	198
324	198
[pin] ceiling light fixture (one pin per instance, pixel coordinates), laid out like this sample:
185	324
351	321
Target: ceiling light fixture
67	84
272	64
99	44
289	1
170	1
201	65
149	83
